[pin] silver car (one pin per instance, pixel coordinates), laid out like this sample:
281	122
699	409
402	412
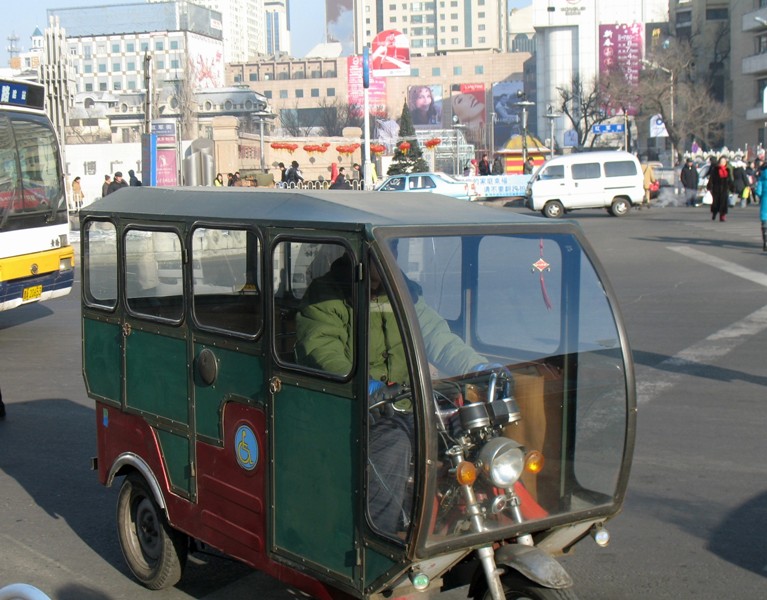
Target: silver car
438	183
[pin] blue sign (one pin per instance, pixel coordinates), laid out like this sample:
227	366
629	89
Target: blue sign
613	128
246	448
366	67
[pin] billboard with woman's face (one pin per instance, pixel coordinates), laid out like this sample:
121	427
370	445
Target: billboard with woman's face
468	106
425	105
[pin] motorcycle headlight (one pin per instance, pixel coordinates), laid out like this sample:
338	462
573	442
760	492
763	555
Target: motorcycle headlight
502	461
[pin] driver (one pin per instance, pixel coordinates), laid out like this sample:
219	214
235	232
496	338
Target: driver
325	340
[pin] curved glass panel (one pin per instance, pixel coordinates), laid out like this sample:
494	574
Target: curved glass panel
525	361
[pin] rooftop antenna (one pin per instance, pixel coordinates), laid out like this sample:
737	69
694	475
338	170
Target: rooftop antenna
13	48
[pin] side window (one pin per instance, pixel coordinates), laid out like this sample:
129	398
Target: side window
553	172
313	314
154	274
396	184
226	280
620	168
100	264
586	171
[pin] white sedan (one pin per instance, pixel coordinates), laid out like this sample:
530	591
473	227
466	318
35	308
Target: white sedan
438	183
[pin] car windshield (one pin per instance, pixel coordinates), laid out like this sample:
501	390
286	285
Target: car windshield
532	306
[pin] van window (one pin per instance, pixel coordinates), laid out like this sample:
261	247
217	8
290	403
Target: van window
586	171
154	274
553	172
620	168
226	282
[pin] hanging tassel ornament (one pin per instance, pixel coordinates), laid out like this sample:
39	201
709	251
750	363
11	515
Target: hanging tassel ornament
542	266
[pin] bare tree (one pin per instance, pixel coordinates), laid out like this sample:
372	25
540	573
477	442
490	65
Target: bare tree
668	87
584	106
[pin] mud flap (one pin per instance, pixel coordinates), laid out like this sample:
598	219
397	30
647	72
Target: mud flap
534	564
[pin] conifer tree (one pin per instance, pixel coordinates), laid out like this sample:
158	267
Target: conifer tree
408	160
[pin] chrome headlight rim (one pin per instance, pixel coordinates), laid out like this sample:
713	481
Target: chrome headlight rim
503	462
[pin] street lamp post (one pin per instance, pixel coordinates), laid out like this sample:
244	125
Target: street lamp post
551	115
525	104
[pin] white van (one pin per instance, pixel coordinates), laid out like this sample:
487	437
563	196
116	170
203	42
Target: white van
610	179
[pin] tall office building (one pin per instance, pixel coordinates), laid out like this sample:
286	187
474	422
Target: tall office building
433	27
277	27
243	24
107	50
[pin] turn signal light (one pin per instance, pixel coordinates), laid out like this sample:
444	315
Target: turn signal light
466	473
534	462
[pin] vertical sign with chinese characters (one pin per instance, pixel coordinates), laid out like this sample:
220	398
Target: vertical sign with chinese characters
166	165
376	91
621	48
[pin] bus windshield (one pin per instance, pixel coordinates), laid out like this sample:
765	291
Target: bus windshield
31	184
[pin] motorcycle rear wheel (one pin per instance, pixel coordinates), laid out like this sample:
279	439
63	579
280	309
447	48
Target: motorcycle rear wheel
518	587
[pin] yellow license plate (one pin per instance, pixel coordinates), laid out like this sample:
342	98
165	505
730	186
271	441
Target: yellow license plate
32	293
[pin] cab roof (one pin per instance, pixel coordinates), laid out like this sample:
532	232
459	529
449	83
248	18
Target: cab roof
345	209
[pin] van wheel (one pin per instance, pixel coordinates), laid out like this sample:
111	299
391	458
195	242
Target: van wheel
553	209
155	552
620	207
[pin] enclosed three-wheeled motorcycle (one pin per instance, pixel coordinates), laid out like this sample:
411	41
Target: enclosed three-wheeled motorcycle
360	394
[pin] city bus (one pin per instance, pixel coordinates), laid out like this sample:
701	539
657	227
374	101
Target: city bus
36	257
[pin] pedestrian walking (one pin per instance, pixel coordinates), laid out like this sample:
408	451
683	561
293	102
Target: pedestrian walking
761	190
77	193
105	185
721	185
689	178
133	180
117	183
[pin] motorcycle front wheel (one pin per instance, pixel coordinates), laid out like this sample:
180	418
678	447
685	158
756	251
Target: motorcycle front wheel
518	587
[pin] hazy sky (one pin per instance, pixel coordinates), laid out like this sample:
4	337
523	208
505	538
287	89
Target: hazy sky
307	29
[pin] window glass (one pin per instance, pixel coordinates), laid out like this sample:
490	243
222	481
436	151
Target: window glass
553	172
100	266
620	168
154	274
394	184
226	280
313	285
586	171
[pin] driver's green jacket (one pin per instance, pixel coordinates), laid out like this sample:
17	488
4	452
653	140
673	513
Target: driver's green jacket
325	341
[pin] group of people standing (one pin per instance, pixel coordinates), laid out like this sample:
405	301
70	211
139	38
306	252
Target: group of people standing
484	168
729	183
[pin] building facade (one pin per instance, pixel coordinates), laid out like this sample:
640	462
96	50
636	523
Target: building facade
277	27
182	42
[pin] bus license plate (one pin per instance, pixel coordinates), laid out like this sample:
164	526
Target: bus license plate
32	293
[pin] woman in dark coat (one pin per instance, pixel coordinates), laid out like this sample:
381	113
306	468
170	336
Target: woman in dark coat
720	184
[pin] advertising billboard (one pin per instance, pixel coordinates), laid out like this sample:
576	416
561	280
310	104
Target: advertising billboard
467	102
621	49
206	61
376	91
390	54
425	105
507	115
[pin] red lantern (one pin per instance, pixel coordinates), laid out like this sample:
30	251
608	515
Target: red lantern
432	143
377	148
404	147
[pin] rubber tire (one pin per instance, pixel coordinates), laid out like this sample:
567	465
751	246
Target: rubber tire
553	209
620	207
518	587
155	552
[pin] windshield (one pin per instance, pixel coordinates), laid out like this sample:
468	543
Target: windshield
31	184
530	307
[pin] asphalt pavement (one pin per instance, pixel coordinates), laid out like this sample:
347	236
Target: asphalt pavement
692	293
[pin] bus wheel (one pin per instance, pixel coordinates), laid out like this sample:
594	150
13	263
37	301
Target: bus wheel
553	209
154	551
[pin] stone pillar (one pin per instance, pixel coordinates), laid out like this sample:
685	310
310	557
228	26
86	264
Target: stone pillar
226	140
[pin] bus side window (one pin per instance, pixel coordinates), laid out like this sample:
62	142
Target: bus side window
154	274
226	280
100	264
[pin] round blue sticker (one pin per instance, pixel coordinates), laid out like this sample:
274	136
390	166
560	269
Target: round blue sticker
246	447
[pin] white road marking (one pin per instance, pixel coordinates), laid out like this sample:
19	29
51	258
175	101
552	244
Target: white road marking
653	381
